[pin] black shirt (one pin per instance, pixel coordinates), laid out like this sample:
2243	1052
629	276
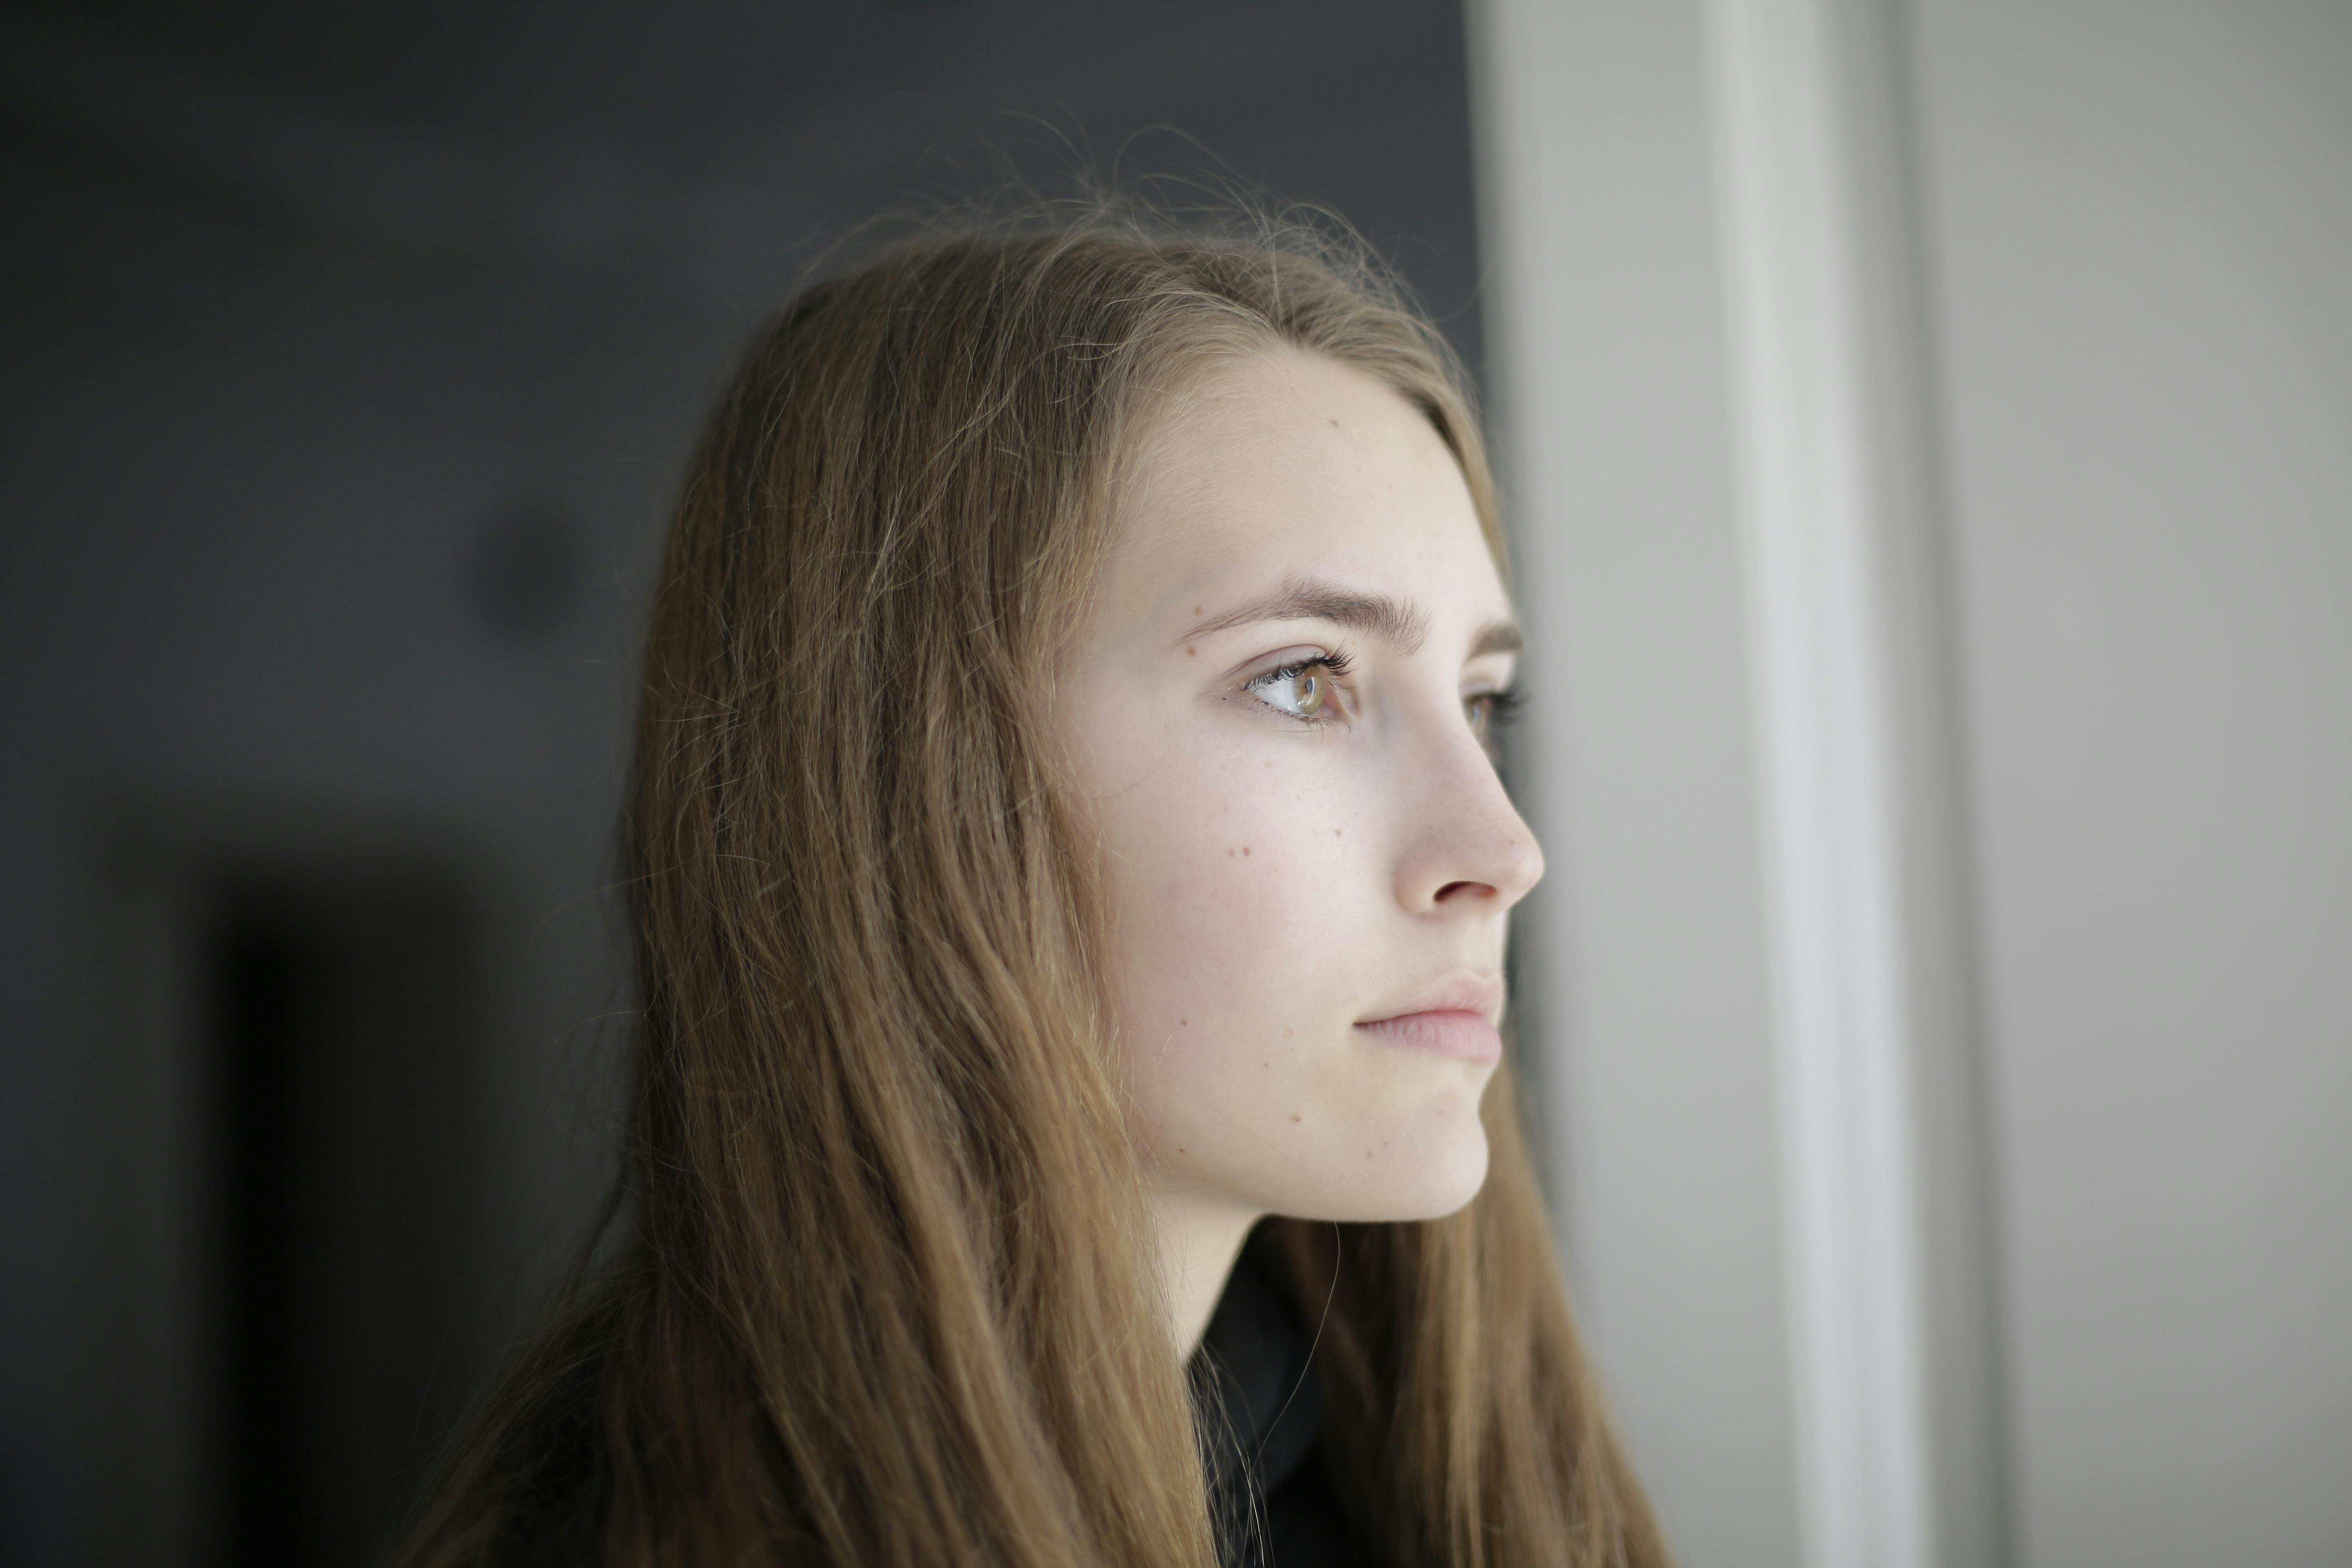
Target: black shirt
1261	1409
1270	1494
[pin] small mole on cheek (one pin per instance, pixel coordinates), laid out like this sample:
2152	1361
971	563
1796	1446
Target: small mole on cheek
1245	848
1191	653
1294	1116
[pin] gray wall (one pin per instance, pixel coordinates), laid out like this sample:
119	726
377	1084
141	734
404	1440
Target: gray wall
2141	218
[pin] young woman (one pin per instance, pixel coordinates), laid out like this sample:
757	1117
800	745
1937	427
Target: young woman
1070	1125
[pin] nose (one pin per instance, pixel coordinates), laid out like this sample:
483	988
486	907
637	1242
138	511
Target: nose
1466	849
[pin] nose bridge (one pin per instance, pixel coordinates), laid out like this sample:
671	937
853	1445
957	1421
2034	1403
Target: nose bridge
1465	827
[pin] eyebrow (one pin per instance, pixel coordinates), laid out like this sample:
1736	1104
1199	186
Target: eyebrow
1395	620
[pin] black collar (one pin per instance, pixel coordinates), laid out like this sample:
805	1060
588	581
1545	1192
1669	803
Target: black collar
1261	1412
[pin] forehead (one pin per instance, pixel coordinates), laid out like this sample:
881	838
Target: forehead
1287	463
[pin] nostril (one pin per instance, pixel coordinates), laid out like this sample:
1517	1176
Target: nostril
1461	889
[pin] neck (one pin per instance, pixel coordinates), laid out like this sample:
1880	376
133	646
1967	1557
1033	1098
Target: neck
1201	1235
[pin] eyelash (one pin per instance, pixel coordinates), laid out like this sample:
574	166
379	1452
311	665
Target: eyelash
1336	664
1502	707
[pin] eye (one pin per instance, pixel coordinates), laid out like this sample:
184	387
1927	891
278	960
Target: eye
1307	690
1489	711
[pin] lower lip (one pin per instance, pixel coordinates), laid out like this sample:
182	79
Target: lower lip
1466	1036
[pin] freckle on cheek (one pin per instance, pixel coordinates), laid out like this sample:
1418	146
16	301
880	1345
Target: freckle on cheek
1294	1116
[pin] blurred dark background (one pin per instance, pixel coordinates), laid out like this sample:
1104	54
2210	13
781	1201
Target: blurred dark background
350	354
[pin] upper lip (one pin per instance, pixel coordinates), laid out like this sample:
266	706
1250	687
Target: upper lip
1482	994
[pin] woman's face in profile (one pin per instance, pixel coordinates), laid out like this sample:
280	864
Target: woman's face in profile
1278	707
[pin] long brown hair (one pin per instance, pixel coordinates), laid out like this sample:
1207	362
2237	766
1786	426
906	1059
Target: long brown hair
881	1289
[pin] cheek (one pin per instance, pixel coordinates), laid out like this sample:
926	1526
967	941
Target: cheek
1237	896
1249	906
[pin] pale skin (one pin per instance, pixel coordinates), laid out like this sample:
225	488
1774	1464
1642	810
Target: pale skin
1278	705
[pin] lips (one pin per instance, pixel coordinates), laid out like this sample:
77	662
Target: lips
1455	1019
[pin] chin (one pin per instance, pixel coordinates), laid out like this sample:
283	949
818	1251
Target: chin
1431	1184
1450	1190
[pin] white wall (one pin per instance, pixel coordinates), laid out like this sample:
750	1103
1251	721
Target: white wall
2044	307
1643	948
